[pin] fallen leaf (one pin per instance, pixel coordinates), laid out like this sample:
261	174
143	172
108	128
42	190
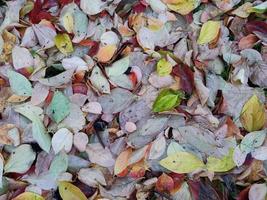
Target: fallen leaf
91	177
221	165
182	162
59	108
20	160
28	196
105	53
63	43
69	191
208	32
62	139
252	115
167	99
122	161
19	84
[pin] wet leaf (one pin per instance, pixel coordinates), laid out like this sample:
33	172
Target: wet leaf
208	32
182	162
167	99
253	114
69	191
63	43
59	108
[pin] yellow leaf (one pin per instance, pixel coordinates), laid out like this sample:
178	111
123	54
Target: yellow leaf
122	161
29	196
68	22
182	162
69	191
105	53
164	68
253	114
243	10
63	43
221	165
209	32
182	7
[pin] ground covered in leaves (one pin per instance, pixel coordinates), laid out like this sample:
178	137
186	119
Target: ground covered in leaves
133	99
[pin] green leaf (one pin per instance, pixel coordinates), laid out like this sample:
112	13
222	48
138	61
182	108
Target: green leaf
253	114
209	32
80	23
69	191
182	162
252	140
99	81
20	159
167	99
59	165
20	85
261	8
164	68
118	67
221	165
59	107
29	196
39	133
63	43
174	147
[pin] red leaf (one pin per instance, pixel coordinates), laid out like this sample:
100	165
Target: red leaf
257	26
94	49
243	195
37	14
186	76
165	183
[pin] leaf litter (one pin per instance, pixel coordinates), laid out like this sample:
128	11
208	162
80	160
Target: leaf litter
141	99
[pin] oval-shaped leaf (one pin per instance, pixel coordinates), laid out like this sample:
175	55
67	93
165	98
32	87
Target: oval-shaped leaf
182	162
167	99
164	68
20	85
253	114
221	165
209	32
59	107
20	159
29	196
63	43
69	191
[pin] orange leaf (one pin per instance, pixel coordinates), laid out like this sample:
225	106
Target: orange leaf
105	53
122	162
165	183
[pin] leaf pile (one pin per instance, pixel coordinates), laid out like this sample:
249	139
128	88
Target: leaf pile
133	99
